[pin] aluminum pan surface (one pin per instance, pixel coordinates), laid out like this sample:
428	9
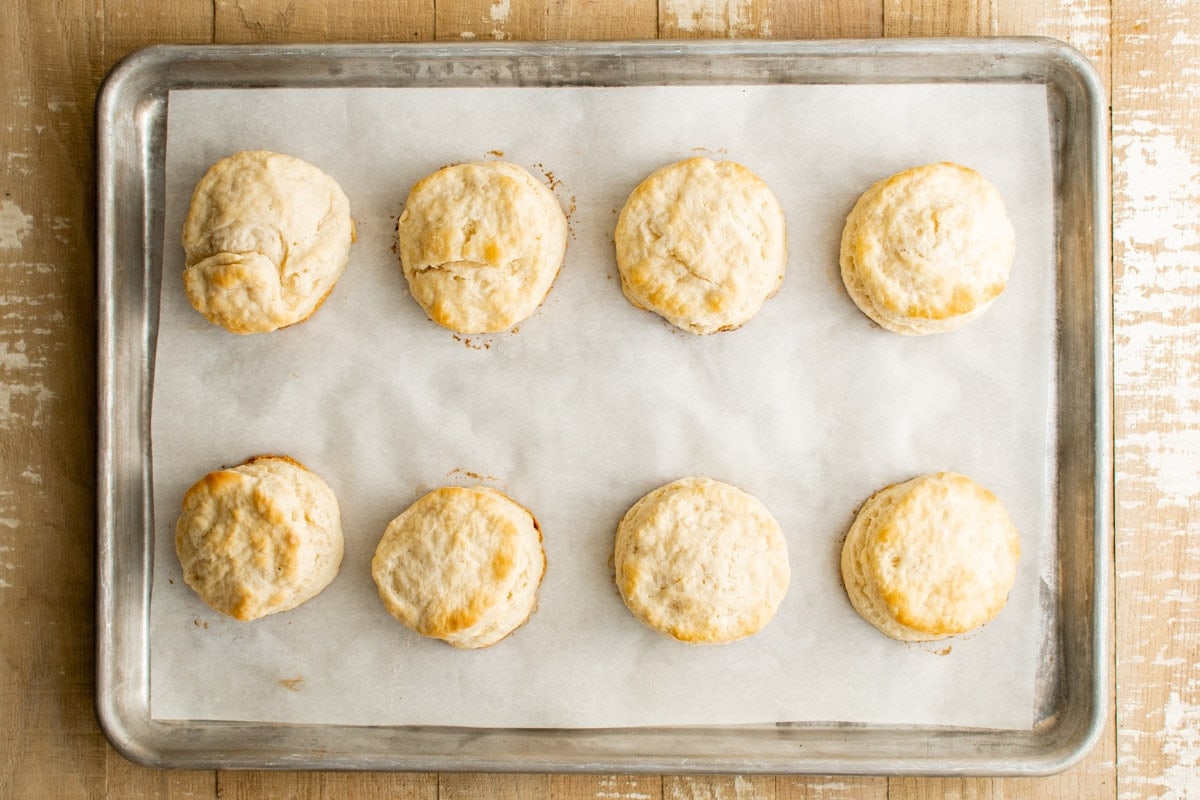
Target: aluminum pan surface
131	111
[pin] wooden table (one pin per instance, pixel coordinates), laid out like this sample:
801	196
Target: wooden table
55	53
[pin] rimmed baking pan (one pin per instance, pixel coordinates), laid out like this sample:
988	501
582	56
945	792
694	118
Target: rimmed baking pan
1075	593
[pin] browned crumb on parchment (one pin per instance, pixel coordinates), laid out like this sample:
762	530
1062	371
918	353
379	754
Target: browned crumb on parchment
572	206
475	476
496	153
550	178
200	623
474	344
292	684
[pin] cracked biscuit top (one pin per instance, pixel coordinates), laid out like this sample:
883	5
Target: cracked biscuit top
928	249
480	245
701	243
265	239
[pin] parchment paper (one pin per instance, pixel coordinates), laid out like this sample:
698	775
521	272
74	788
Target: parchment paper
592	403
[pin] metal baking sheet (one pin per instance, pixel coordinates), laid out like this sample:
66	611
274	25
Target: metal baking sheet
1072	674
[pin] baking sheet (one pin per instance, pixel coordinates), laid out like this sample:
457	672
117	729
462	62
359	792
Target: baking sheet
591	403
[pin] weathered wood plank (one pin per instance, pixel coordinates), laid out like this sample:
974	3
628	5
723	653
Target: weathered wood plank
579	20
1156	254
701	19
133	24
937	18
467	786
606	787
718	787
51	61
276	21
832	788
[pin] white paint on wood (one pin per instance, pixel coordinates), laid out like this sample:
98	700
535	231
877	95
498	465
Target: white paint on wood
730	18
15	225
1086	23
1158	242
499	11
1181	779
618	787
19	162
686	788
1156	245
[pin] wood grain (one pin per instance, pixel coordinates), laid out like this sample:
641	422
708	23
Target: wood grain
780	19
580	20
132	24
50	745
934	18
606	787
1156	250
279	21
831	788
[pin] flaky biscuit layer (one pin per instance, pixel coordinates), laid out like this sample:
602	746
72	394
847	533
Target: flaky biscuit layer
701	243
480	245
265	239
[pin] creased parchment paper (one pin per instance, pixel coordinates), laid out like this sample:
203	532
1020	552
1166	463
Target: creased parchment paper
592	403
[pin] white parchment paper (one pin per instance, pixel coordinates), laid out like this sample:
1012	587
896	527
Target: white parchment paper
592	403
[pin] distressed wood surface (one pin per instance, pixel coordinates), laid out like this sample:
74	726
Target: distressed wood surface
1156	249
55	52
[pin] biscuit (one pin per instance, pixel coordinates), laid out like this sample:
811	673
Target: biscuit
928	249
930	558
701	243
461	565
480	245
265	239
702	561
259	538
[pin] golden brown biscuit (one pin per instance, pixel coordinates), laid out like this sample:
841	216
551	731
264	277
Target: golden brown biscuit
265	240
930	558
702	561
259	538
701	243
928	249
480	245
461	565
